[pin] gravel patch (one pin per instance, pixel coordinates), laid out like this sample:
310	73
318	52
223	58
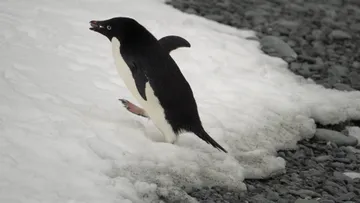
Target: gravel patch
322	35
320	40
318	171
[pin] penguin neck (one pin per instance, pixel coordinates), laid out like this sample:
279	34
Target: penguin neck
115	43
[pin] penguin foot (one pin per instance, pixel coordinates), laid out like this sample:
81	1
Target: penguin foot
133	108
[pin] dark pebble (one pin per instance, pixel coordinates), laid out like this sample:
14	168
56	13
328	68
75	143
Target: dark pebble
306	201
323	158
337	165
345	197
354	78
342	178
335	137
326	201
273	196
343	160
356	65
331	190
339	34
339	70
343	87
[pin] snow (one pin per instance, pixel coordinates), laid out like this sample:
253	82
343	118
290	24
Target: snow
64	136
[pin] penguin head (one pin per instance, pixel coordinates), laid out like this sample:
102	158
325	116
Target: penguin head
119	27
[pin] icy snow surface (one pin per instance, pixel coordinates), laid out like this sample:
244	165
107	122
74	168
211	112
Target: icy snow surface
64	136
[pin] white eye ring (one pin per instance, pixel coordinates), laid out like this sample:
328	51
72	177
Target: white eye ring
108	27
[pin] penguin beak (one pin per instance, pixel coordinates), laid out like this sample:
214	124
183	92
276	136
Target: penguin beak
96	26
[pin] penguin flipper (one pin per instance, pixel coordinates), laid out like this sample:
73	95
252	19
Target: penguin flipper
139	78
172	42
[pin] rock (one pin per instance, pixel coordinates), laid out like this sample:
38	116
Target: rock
327	197
304	193
352	175
352	157
343	160
350	187
314	172
296	8
356	65
323	158
339	70
191	11
258	20
309	59
331	187
327	201
339	35
215	17
306	201
354	78
282	190
340	177
340	154
254	13
336	2
356	2
316	34
272	196
333	79
337	165
261	198
345	197
294	66
335	137
316	67
304	70
287	24
355	27
352	150
250	187
343	87
318	48
278	46
319	61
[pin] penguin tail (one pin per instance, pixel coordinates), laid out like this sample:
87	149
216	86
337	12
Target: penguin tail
201	133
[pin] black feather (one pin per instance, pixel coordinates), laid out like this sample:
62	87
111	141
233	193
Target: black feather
172	42
206	137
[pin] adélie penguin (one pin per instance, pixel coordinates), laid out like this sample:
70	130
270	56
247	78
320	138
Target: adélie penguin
153	77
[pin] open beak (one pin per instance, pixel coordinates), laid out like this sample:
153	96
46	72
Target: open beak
96	26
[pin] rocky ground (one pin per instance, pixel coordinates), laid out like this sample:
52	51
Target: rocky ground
320	40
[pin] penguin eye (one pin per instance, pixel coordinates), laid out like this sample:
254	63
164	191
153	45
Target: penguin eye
108	27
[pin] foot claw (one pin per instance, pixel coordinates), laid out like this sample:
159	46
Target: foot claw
124	101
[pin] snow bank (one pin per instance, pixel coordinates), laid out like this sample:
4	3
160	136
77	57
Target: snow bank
64	137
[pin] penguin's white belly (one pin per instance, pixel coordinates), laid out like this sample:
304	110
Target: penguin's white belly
151	105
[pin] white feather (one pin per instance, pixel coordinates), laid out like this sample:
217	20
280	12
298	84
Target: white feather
151	105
